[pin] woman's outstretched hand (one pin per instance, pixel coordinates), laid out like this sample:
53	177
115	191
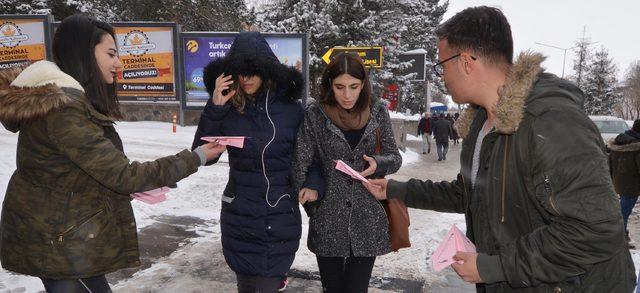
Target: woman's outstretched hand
212	150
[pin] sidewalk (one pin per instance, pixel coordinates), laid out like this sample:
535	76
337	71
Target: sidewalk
197	265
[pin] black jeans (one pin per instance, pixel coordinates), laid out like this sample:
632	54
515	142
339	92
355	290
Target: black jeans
345	274
442	148
96	284
257	284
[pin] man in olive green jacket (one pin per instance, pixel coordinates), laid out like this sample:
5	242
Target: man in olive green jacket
534	183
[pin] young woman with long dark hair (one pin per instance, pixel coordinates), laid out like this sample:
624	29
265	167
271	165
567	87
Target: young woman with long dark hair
348	227
67	216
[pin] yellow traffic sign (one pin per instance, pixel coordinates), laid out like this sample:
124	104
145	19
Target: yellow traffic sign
371	56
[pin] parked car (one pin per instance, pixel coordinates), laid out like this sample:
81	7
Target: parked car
609	126
629	122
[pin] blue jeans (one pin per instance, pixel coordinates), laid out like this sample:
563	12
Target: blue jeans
626	207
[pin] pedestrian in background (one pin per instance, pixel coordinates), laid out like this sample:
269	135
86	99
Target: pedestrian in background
625	171
442	132
424	132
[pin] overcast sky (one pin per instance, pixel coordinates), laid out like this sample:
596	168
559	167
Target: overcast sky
613	24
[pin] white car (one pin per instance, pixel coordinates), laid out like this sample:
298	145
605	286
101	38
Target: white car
609	126
629	122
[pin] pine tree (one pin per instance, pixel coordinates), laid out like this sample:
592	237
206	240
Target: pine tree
396	25
422	17
24	7
302	16
600	85
630	102
583	54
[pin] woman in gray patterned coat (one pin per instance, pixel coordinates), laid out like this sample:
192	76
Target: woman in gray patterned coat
348	227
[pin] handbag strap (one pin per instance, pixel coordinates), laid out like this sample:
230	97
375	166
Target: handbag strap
378	142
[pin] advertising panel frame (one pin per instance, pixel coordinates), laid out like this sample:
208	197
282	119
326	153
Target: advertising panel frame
47	21
177	83
193	34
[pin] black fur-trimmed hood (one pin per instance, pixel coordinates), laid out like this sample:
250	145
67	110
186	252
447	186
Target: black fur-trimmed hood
250	55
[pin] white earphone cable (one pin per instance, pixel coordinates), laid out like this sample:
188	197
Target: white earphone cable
264	169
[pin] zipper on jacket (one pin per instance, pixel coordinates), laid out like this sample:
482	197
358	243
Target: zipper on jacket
549	190
66	213
504	174
73	227
464	194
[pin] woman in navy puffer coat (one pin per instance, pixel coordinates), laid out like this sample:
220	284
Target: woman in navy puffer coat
255	96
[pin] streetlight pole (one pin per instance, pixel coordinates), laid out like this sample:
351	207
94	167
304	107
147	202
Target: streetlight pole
564	58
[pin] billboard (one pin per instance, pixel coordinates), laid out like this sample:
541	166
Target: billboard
148	56
23	39
418	64
200	48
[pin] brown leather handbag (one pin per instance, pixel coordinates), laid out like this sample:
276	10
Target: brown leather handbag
397	213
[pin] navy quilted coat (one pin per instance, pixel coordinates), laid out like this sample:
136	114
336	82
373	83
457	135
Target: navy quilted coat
259	238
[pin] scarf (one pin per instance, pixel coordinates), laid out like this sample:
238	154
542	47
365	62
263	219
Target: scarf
347	119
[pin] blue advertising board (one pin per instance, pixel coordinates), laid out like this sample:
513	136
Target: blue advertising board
200	48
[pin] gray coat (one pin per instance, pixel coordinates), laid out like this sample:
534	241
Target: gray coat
442	130
348	218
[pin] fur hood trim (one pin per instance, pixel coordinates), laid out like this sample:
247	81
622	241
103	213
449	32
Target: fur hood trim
513	95
30	93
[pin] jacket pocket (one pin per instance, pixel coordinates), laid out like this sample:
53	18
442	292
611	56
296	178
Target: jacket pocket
91	244
88	224
545	194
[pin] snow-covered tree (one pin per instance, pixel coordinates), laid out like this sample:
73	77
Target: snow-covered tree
583	54
422	17
23	7
303	16
204	15
630	102
396	25
600	85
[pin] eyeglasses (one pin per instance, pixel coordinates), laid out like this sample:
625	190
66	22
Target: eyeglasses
438	68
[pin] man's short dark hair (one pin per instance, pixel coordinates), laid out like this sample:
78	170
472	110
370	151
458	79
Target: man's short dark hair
482	30
636	125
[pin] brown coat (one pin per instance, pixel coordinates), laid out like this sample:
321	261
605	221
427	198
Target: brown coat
625	164
67	211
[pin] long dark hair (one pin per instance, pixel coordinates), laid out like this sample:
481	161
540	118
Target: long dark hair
74	46
349	63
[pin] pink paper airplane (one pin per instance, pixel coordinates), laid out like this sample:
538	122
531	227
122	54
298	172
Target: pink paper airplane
234	141
344	168
454	241
153	196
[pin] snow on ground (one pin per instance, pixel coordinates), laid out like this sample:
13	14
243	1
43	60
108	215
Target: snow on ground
403	116
411	137
199	196
409	157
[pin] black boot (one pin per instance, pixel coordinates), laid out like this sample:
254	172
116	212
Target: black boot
630	243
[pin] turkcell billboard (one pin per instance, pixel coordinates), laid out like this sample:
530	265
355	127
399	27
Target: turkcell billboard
201	48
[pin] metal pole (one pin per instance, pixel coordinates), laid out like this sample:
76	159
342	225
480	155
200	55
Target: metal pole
563	60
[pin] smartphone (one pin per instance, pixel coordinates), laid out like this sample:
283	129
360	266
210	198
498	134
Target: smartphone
233	86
